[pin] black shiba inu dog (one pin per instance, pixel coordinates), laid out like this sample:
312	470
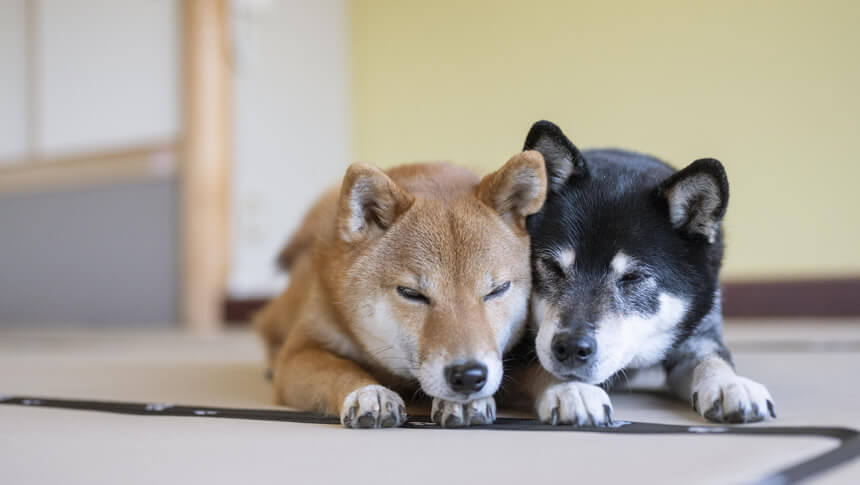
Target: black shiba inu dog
626	254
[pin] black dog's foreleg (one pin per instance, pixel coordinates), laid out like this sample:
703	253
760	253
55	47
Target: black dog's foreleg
701	372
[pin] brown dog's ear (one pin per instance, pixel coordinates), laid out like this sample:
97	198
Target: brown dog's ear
369	201
516	190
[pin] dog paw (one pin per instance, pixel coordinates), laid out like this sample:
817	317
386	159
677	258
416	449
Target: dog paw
575	403
450	414
373	406
732	399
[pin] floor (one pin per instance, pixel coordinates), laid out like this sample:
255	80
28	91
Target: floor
811	368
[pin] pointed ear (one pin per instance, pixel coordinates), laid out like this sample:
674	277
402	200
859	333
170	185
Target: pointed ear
697	197
516	190
563	160
369	202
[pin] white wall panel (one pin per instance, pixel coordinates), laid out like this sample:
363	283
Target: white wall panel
291	125
109	73
13	80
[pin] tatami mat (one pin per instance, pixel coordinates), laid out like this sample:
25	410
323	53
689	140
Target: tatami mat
812	374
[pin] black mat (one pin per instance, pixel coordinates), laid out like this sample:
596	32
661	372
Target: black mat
848	449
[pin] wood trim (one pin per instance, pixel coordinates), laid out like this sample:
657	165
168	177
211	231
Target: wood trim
207	132
828	298
155	160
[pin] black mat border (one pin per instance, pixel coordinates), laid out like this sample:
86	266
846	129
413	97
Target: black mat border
848	449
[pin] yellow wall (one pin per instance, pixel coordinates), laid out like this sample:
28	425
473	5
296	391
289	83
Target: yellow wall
772	89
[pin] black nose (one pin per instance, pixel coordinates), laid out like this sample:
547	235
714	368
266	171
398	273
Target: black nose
570	349
466	378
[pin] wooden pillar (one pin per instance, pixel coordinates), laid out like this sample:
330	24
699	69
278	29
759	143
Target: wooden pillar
204	177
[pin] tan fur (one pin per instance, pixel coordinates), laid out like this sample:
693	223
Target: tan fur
341	324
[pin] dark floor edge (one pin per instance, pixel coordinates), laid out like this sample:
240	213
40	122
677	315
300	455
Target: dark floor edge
240	311
792	298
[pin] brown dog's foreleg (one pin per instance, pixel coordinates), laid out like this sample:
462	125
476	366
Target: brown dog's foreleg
314	378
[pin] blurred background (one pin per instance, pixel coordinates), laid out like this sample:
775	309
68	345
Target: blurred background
155	154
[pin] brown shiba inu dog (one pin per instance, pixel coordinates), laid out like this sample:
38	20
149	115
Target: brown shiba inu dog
418	275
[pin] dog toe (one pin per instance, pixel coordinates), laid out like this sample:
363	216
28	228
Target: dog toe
373	406
734	399
450	414
575	403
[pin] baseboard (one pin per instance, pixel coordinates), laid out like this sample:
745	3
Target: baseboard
239	311
830	298
821	298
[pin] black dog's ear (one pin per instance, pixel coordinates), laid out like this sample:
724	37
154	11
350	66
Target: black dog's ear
697	197
562	158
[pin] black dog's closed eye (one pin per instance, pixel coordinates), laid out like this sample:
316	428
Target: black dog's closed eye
553	266
632	277
412	295
498	291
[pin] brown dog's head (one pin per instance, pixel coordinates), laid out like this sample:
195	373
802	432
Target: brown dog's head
433	271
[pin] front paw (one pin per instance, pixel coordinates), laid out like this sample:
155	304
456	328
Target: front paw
574	403
732	399
450	414
373	406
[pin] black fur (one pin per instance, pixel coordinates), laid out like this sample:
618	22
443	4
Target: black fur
668	224
616	202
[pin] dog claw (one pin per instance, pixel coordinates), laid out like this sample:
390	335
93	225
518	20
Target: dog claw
453	421
366	420
715	411
607	411
770	409
695	402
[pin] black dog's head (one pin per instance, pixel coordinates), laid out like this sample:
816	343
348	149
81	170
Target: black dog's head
625	256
